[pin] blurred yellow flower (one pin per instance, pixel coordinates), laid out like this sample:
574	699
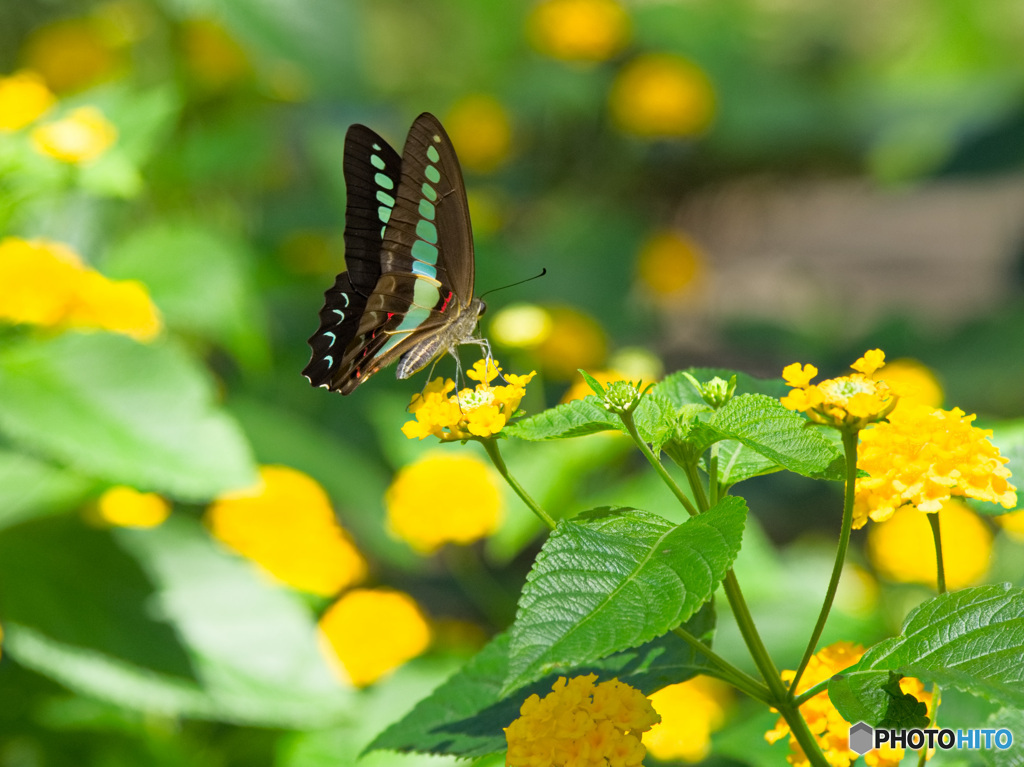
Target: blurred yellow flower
126	507
24	98
921	457
286	525
521	326
901	548
373	631
579	30
1013	524
441	499
670	264
213	56
480	412
120	307
690	712
481	131
81	136
581	724
46	283
576	341
661	95
847	402
824	721
912	381
72	53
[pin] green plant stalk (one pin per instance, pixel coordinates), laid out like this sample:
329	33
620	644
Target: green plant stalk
736	677
940	567
778	693
491	446
809	693
850	450
627	421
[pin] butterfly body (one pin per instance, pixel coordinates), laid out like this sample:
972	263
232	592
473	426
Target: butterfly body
407	294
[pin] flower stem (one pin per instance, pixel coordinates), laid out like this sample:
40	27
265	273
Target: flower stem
627	421
940	568
850	450
725	670
491	446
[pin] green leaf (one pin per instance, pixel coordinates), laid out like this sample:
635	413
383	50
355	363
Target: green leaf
31	488
466	714
593	383
764	426
124	412
200	280
572	419
164	621
678	389
607	584
971	639
655	419
1011	719
902	710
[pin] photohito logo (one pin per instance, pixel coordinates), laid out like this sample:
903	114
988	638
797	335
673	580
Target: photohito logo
864	737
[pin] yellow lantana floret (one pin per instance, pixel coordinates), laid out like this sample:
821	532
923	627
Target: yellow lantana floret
921	457
824	720
443	499
581	724
373	631
472	413
286	525
847	402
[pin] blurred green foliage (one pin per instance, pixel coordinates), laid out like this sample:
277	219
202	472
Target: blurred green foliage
224	195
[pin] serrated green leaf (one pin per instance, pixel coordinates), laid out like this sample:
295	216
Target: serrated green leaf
971	639
163	621
466	714
124	412
678	389
655	419
764	426
902	711
572	419
608	584
31	488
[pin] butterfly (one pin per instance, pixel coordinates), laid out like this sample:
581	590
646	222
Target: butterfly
407	294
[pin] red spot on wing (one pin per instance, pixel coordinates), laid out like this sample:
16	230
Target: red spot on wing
447	300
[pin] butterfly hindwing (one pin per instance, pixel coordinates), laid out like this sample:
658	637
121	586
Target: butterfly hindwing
421	302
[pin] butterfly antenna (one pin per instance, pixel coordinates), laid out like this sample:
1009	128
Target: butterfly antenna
512	285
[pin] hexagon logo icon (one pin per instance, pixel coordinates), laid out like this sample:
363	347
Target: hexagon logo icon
861	737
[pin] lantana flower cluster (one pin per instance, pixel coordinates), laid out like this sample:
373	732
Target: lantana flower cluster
472	413
823	719
581	724
847	402
921	457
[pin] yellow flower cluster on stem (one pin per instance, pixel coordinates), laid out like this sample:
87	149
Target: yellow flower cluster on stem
829	728
921	457
581	724
45	283
475	413
848	402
